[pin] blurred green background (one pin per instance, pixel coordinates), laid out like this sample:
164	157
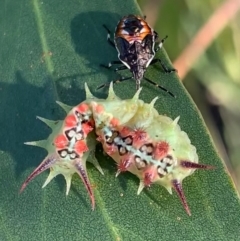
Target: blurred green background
213	80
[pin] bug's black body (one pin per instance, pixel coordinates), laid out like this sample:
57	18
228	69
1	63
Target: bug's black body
135	56
135	42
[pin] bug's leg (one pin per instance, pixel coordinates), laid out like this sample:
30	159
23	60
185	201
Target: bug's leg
160	87
160	44
121	68
114	82
156	37
166	70
110	64
108	36
121	80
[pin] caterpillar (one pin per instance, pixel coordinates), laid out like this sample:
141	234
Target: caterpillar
151	146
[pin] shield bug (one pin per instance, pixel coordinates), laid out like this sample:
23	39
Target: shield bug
137	44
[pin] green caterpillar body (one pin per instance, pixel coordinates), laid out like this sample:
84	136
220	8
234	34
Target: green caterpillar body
151	146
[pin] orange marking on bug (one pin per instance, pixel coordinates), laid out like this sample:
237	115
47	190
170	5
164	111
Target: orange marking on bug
80	147
137	37
161	149
70	121
135	34
60	141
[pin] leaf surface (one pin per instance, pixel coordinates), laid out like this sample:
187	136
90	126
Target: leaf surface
48	50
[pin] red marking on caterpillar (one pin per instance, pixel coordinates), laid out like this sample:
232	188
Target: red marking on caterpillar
80	147
87	127
99	109
151	146
161	149
110	150
70	121
148	177
60	141
82	108
139	134
124	164
114	122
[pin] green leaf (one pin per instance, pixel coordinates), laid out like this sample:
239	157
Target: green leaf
48	50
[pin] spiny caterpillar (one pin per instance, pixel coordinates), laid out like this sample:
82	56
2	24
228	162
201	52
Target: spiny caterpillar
149	145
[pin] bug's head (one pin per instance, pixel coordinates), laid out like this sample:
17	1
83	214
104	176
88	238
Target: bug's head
132	22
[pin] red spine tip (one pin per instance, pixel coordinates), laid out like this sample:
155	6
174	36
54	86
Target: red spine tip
193	165
178	188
